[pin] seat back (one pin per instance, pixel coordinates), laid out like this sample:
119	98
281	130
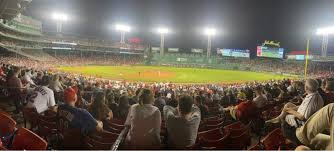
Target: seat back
214	134
104	136
273	140
92	144
7	125
30	115
219	144
46	128
240	142
25	139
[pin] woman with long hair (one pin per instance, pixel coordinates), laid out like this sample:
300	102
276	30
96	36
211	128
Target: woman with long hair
99	109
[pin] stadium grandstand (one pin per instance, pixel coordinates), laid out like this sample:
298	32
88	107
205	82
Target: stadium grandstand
64	90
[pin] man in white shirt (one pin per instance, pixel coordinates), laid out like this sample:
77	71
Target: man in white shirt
42	98
293	116
27	78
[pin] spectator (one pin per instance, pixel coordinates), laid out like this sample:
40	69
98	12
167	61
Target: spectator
203	108
42	97
310	134
27	78
123	107
159	102
182	123
144	120
293	116
55	84
260	100
99	109
16	88
328	94
77	118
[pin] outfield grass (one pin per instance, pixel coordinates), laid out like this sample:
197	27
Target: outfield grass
170	74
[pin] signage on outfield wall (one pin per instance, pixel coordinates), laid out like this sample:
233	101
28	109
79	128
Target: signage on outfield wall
173	49
181	59
195	50
155	49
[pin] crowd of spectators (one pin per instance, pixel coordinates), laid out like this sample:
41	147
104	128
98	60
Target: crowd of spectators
87	102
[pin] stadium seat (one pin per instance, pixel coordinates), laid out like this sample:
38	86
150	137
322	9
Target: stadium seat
104	136
114	128
235	125
273	140
30	115
214	134
27	140
239	142
236	129
219	144
47	127
255	147
7	125
118	121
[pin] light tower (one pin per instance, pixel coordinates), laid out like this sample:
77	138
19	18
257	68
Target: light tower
209	32
325	32
123	29
59	18
162	32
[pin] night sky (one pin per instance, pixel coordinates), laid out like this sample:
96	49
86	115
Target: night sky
241	23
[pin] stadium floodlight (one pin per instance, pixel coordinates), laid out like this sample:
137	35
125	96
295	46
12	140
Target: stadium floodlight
163	30
210	31
123	28
59	17
325	31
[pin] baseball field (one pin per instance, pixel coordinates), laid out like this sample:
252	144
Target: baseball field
170	74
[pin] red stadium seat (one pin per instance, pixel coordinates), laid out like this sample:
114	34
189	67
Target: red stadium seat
239	142
235	125
214	134
273	140
47	129
255	147
236	129
114	128
219	144
7	125
118	121
27	140
30	115
100	140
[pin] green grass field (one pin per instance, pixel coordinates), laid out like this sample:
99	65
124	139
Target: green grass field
170	74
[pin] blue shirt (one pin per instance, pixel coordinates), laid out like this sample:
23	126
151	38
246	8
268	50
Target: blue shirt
77	118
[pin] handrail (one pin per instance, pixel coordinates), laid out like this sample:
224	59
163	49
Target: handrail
120	139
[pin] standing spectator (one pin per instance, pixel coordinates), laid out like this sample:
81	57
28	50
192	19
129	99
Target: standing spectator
182	123
123	107
203	108
328	94
144	120
159	102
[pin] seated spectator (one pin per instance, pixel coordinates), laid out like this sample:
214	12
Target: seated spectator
81	103
159	102
260	100
293	116
328	94
16	88
55	84
144	120
42	97
99	109
182	123
123	107
27	78
203	108
310	134
78	118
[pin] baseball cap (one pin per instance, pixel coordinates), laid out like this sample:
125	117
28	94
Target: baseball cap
69	95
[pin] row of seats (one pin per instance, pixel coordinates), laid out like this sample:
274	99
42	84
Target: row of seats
16	138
